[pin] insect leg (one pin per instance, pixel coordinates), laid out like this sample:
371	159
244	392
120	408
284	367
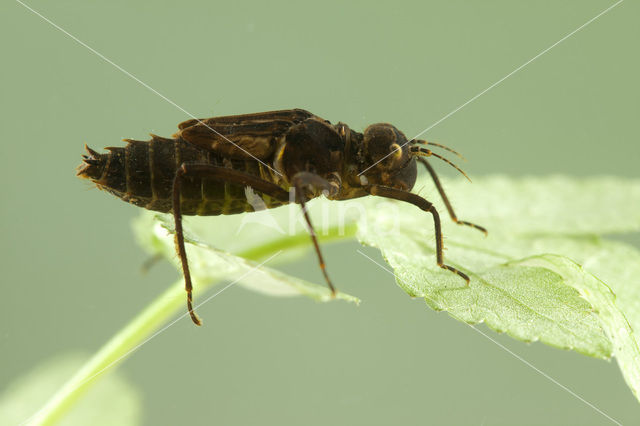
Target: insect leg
436	180
421	203
299	182
219	173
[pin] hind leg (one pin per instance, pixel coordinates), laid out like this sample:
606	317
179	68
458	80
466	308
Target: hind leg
223	174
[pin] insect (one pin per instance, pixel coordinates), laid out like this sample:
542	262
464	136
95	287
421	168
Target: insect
205	168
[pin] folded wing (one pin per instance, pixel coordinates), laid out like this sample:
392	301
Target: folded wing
242	136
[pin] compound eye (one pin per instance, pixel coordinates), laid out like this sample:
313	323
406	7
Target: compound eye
396	158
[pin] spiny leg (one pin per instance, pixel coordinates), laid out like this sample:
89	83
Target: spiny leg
224	175
179	241
421	203
299	181
436	180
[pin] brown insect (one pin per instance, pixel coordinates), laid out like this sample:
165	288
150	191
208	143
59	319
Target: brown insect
206	167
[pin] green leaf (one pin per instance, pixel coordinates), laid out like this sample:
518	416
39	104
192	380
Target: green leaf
526	276
616	326
544	273
210	265
549	205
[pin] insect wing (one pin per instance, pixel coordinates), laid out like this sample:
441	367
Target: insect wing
242	136
294	115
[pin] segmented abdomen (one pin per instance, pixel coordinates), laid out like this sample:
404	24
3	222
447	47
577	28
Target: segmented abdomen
142	173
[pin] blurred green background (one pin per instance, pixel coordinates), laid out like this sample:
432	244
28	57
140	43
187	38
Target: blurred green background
70	266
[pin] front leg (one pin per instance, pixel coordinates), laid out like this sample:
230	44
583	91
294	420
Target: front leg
421	203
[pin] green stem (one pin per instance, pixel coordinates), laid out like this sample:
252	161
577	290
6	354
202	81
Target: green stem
117	348
144	327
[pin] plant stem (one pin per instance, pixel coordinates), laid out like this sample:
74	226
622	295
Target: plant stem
126	341
144	327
